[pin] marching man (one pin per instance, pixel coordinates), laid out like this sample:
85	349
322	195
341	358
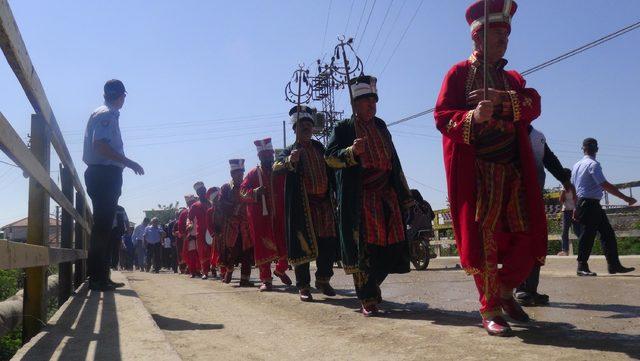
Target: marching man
310	228
234	239
497	212
189	254
263	192
373	196
198	216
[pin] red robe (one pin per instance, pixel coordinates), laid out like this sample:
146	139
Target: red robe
198	215
266	231
454	119
186	258
211	228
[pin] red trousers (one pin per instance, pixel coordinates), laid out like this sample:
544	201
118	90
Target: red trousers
512	251
204	255
192	262
265	269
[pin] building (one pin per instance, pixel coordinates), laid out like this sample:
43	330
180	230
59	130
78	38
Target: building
17	231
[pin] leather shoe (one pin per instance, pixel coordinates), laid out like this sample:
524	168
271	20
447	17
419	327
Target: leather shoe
583	270
284	278
227	277
115	284
265	287
541	299
620	269
496	326
326	289
246	283
305	295
513	310
370	311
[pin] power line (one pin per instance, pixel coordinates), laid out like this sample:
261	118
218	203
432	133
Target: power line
11	164
326	26
375	41
386	40
426	185
402	36
349	17
366	25
364	9
547	63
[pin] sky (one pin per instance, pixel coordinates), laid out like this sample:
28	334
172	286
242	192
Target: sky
206	78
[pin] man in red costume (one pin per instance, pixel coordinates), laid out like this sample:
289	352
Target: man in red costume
235	242
498	214
188	254
198	216
211	238
263	192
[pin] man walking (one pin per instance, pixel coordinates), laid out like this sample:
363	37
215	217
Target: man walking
103	153
310	228
496	208
373	196
263	192
153	238
139	246
590	184
198	217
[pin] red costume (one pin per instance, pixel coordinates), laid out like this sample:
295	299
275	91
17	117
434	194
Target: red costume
497	212
198	215
189	255
266	216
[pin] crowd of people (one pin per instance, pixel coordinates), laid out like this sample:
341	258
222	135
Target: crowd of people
351	200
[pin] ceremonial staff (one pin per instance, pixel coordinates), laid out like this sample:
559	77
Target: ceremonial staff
303	95
485	49
342	74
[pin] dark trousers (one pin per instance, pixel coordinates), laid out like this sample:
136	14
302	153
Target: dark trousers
367	286
169	258
530	285
154	257
593	219
104	186
324	263
115	246
569	223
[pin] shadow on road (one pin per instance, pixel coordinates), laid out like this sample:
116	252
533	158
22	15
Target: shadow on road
176	324
620	311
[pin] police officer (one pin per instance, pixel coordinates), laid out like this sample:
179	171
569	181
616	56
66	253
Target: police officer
104	155
590	182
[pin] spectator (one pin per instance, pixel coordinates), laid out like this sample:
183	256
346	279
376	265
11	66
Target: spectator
152	238
128	250
138	244
568	201
590	185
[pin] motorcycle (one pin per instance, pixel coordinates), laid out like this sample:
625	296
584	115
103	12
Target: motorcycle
419	233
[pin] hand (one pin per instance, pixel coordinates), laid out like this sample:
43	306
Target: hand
259	191
495	96
631	201
359	145
295	156
135	167
483	112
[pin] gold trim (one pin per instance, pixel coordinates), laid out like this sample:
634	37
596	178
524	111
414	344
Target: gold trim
467	124
515	103
472	271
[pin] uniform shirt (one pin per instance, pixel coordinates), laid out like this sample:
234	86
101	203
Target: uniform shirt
138	233
587	177
103	125
152	234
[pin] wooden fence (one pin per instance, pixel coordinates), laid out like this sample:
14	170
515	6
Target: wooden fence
35	255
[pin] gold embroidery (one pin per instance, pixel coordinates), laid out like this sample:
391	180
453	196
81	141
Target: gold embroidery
268	244
515	102
527	102
466	127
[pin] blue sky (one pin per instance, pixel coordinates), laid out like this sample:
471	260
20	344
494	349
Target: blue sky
206	78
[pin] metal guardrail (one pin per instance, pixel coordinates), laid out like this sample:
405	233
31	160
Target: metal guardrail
34	255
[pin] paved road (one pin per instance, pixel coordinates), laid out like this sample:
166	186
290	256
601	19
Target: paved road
429	315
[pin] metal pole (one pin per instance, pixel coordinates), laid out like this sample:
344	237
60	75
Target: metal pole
347	77
284	134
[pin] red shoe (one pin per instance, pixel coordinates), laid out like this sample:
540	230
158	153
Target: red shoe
496	326
514	310
265	287
370	311
284	278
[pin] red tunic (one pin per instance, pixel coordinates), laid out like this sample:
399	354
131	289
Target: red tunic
267	231
454	119
181	226
198	215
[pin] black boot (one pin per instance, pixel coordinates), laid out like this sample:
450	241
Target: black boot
619	268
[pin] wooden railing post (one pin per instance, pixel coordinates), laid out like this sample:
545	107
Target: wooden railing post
80	266
66	234
34	314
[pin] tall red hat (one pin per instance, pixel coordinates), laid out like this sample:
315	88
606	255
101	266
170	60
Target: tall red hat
264	145
500	14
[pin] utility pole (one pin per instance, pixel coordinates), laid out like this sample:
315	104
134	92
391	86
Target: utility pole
324	86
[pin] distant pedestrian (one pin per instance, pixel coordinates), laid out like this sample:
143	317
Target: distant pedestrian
126	262
568	202
120	225
152	238
139	246
590	184
103	153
